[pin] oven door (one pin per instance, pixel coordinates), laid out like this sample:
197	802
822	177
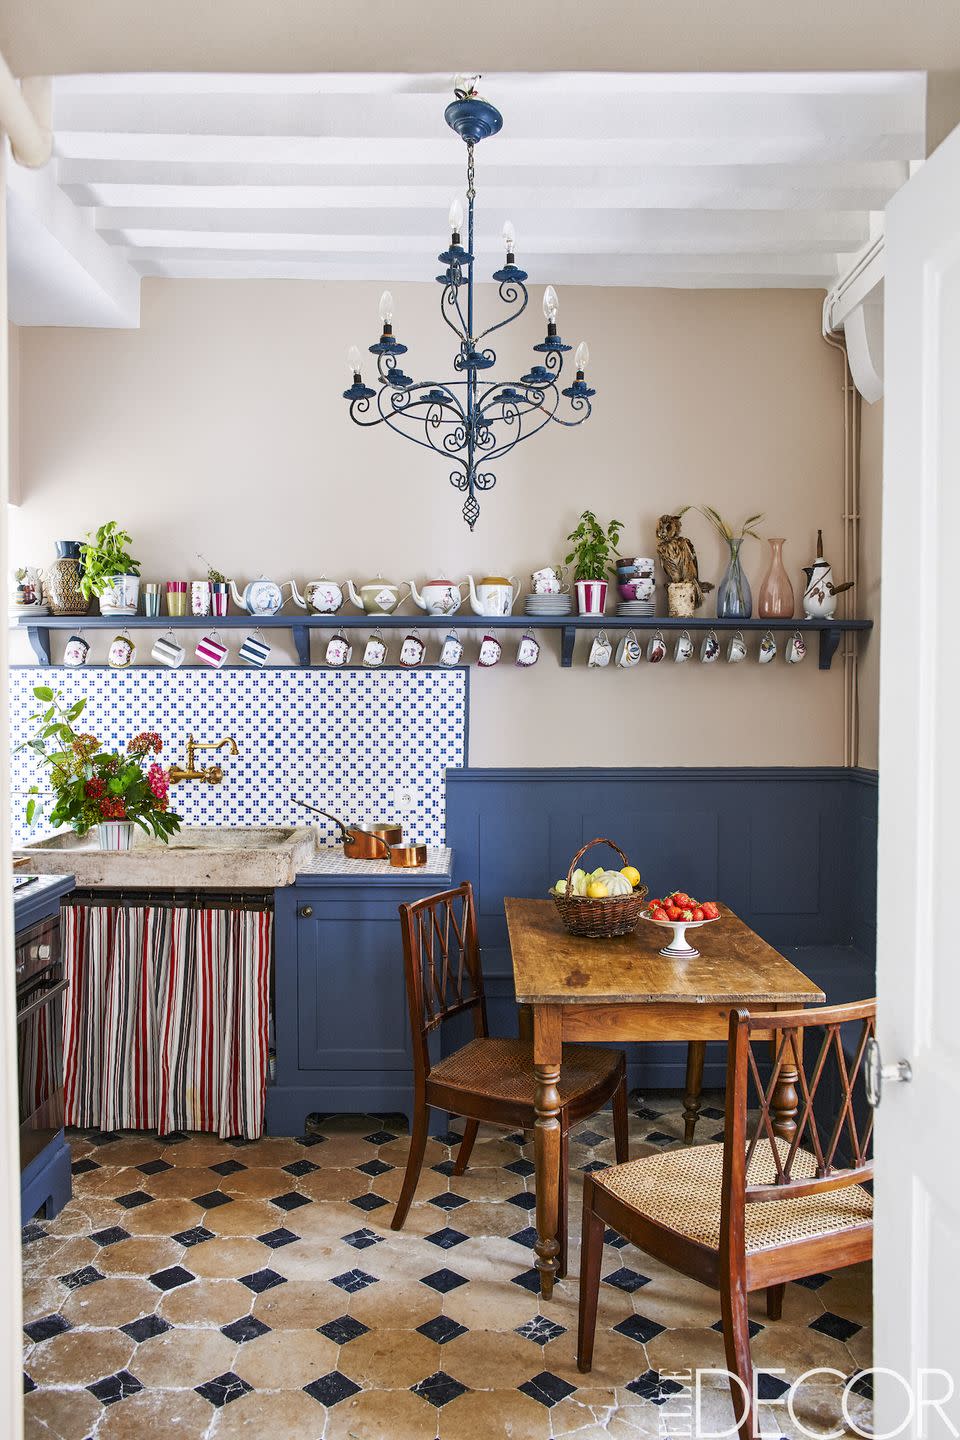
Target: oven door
40	1059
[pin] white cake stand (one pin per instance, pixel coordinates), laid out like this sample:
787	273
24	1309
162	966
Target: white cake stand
678	948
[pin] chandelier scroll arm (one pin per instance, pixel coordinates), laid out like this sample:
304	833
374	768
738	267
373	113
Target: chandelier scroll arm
516	286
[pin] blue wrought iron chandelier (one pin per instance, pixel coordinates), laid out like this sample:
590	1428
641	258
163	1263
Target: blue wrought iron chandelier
475	419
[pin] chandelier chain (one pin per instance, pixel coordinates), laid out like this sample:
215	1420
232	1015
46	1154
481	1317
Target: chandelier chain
471	192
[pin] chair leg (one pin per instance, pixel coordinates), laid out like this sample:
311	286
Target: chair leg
591	1255
621	1123
775	1301
736	1340
466	1145
418	1144
563	1209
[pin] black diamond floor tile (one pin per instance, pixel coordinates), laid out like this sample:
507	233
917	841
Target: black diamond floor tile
224	1388
626	1279
262	1280
301	1167
443	1281
612	1237
154	1167
353	1280
46	1328
343	1330
518	1139
380	1137
227	1167
102	1137
32	1232
372	1168
862	1384
540	1330
361	1239
812	1282
115	1387
653	1386
646	1112
710	1112
29	1384
289	1201
146	1328
449	1137
590	1138
770	1387
133	1199
194	1236
111	1236
274	1239
443	1167
529	1280
659	1137
446	1238
439	1389
592	1166
370	1201
835	1326
547	1388
175	1137
754	1327
84	1166
170	1278
639	1328
448	1201
248	1327
330	1389
212	1200
308	1141
521	1167
526	1237
441	1329
78	1278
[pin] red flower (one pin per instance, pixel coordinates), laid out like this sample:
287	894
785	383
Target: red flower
158	781
95	787
146	743
113	809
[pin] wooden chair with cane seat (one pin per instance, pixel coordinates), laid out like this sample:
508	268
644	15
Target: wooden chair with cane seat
761	1208
488	1079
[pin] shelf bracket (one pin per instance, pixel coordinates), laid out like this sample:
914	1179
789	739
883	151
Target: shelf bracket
829	640
568	638
39	637
301	638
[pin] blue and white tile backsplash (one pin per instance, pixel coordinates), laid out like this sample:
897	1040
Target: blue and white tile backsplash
344	739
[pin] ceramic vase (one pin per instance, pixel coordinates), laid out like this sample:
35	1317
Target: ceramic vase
62	582
120	595
776	599
591	596
115	835
734	599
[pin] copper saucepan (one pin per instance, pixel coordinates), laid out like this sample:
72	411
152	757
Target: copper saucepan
375	842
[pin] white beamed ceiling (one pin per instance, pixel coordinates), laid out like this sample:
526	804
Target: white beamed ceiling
679	180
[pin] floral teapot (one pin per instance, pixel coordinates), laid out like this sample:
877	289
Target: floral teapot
323	597
260	597
493	595
377	597
438	597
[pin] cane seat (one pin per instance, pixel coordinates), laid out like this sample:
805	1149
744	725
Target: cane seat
503	1070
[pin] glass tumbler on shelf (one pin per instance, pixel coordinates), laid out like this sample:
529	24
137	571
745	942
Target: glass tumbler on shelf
776	599
177	597
151	597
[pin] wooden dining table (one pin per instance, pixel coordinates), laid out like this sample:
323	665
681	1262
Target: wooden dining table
624	989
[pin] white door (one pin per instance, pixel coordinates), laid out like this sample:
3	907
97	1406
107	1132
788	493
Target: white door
917	1267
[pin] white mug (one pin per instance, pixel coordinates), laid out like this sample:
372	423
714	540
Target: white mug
338	651
656	649
490	651
768	648
168	651
628	651
710	648
210	650
796	648
600	651
528	651
255	650
122	652
375	651
451	651
75	651
736	649
683	649
412	650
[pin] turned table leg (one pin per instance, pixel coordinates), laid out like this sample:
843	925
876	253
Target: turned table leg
547	1053
696	1049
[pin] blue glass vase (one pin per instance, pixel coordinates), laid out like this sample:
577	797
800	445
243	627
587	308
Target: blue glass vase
734	599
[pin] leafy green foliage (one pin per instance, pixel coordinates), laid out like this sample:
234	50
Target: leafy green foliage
594	549
105	556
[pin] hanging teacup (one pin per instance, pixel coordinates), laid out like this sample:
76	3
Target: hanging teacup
628	651
600	651
338	650
375	650
683	649
796	648
75	651
768	648
736	649
490	651
656	649
528	651
412	650
710	648
122	652
451	651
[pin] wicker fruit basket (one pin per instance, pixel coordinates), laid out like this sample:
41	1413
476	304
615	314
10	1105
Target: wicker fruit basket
599	919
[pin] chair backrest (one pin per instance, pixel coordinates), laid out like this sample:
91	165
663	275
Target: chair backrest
830	1148
441	959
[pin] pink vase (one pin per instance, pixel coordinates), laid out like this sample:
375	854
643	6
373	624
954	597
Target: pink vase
776	598
591	596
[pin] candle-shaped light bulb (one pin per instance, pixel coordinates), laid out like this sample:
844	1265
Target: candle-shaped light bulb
386	308
456	215
354	359
550	305
581	356
509	237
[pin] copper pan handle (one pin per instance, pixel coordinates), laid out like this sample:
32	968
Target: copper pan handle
345	834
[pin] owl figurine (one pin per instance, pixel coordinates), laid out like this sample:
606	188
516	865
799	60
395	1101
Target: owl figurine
678	557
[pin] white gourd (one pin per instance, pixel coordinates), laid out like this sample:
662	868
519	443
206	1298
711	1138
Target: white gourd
616	883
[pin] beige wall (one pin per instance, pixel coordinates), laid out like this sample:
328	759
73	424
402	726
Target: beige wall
871	488
218	426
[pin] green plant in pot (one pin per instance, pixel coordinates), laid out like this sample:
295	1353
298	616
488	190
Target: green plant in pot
109	570
593	557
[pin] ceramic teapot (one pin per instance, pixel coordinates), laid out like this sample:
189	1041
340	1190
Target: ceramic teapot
493	595
323	597
820	594
438	597
260	597
377	597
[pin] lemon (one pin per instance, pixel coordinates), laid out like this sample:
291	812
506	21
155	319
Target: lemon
596	890
632	874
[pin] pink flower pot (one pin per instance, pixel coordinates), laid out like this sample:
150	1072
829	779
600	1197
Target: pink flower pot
591	596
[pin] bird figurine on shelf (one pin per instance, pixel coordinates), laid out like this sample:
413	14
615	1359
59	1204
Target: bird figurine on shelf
678	559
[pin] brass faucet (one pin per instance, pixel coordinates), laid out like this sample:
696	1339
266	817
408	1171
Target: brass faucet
213	774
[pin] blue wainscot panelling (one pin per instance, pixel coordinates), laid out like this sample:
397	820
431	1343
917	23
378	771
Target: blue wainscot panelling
792	850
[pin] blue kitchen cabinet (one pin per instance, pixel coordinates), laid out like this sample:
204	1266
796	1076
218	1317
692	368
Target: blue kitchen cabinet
341	1032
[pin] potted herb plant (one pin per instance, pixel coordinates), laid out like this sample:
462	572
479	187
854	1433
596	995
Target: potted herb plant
95	788
109	571
734	596
593	557
219	588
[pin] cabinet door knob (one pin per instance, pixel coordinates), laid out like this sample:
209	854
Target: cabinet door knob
306	911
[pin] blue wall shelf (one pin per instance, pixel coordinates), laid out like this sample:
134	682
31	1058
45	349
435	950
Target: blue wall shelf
38	629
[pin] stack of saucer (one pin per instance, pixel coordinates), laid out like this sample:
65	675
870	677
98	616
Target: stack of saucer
549	605
636	609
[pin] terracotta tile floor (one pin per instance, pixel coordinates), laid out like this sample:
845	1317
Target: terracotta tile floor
198	1288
